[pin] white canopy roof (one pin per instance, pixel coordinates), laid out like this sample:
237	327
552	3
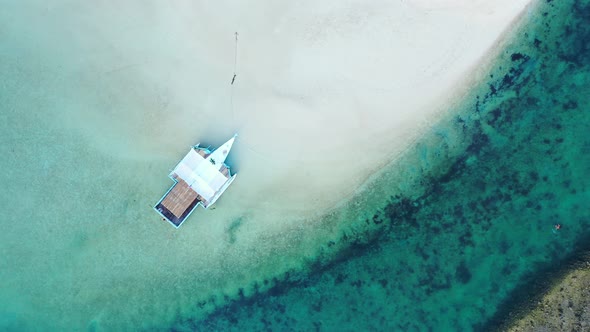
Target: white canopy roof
201	174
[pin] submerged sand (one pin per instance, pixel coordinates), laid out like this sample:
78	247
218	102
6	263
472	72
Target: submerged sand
326	95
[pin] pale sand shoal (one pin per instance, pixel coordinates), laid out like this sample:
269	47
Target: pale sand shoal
326	95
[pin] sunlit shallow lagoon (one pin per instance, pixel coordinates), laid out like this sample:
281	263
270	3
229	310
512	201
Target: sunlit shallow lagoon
467	219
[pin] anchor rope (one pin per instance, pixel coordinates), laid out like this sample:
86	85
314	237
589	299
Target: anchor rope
235	73
236	55
234	77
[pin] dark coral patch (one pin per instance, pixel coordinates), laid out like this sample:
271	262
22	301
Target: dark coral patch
462	273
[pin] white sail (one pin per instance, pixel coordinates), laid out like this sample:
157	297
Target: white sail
218	156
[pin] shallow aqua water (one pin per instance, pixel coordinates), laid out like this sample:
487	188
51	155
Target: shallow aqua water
455	257
80	227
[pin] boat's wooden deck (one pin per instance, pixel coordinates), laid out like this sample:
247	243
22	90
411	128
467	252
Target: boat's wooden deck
224	170
202	152
178	203
179	198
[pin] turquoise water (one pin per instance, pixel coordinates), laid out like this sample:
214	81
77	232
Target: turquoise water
454	257
467	220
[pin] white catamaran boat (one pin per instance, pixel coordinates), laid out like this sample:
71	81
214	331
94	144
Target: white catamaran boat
199	179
